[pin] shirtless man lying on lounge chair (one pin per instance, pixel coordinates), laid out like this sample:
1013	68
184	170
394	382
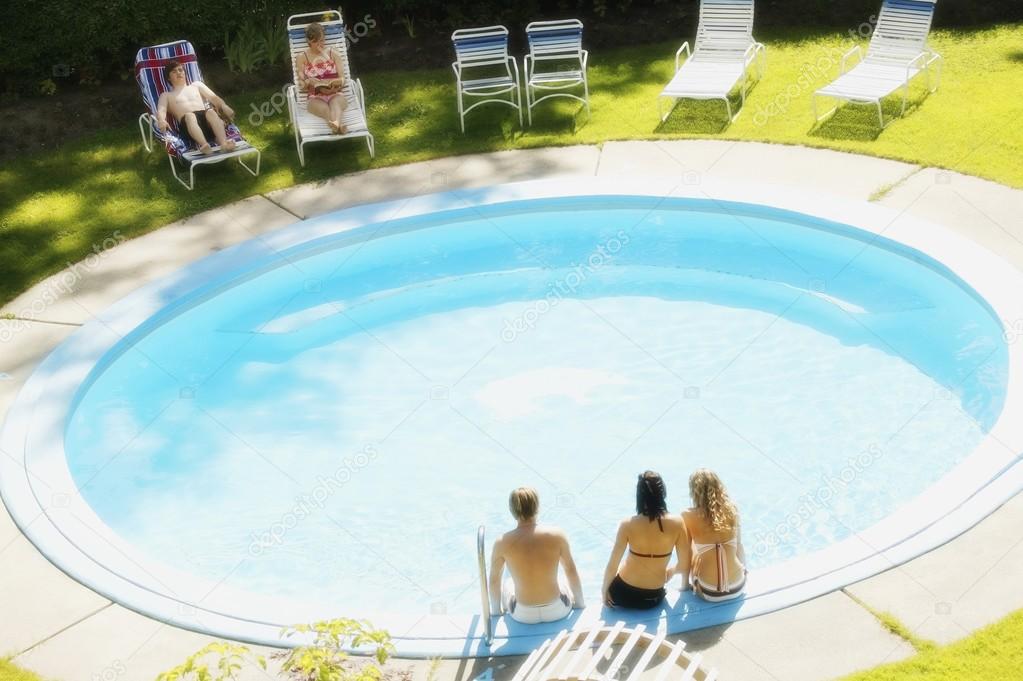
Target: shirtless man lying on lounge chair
187	103
533	553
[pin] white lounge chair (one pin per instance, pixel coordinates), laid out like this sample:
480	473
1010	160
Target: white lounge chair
309	127
483	53
583	655
149	64
897	53
721	59
558	44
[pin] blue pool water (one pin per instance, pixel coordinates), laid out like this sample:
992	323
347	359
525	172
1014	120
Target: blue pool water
333	426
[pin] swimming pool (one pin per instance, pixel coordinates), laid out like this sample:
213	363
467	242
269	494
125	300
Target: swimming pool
315	423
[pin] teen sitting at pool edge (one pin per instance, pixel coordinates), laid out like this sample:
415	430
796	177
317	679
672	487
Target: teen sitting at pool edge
650	537
717	570
535	593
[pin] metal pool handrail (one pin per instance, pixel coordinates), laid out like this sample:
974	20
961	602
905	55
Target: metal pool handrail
488	625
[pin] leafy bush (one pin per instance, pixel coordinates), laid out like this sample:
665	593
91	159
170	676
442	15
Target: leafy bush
95	39
324	659
246	50
218	661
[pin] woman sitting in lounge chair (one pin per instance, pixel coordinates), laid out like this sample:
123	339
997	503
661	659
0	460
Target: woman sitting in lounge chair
717	571
321	76
650	537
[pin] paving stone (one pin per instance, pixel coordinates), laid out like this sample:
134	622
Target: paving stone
968	583
117	643
43	599
989	213
456	172
848	175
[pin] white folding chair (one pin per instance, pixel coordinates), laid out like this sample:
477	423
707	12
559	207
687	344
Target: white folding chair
482	53
556	62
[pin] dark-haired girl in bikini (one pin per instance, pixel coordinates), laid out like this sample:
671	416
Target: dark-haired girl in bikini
646	542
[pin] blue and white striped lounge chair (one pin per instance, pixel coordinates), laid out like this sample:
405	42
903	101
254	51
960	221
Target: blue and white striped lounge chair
309	127
897	53
483	54
559	44
721	59
149	64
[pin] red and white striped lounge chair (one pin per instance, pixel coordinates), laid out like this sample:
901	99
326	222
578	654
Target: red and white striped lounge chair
149	64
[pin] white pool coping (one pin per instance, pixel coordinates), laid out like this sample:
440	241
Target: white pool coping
74	538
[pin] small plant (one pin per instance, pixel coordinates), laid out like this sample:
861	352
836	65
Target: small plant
226	660
246	50
325	659
47	87
409	22
275	40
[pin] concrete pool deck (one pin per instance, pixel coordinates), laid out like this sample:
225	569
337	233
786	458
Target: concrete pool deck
64	631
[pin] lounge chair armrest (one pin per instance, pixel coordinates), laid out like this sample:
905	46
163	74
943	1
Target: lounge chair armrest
857	50
360	96
749	55
916	63
527	65
586	58
678	53
457	68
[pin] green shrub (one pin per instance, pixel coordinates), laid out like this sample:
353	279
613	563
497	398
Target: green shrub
218	661
246	50
324	659
97	39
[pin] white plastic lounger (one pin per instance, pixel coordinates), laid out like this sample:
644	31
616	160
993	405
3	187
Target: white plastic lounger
558	44
722	58
897	53
309	127
483	52
590	655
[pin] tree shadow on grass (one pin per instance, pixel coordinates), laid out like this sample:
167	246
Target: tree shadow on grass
1016	56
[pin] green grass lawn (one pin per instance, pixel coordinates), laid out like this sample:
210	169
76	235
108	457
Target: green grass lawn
55	208
993	653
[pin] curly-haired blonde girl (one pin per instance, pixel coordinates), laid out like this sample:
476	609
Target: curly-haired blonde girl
710	498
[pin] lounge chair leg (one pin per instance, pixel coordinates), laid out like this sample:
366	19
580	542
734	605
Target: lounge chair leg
728	108
880	114
586	95
191	174
146	124
461	112
243	164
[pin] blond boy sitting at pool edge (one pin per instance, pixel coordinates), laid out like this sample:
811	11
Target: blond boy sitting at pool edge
533	553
